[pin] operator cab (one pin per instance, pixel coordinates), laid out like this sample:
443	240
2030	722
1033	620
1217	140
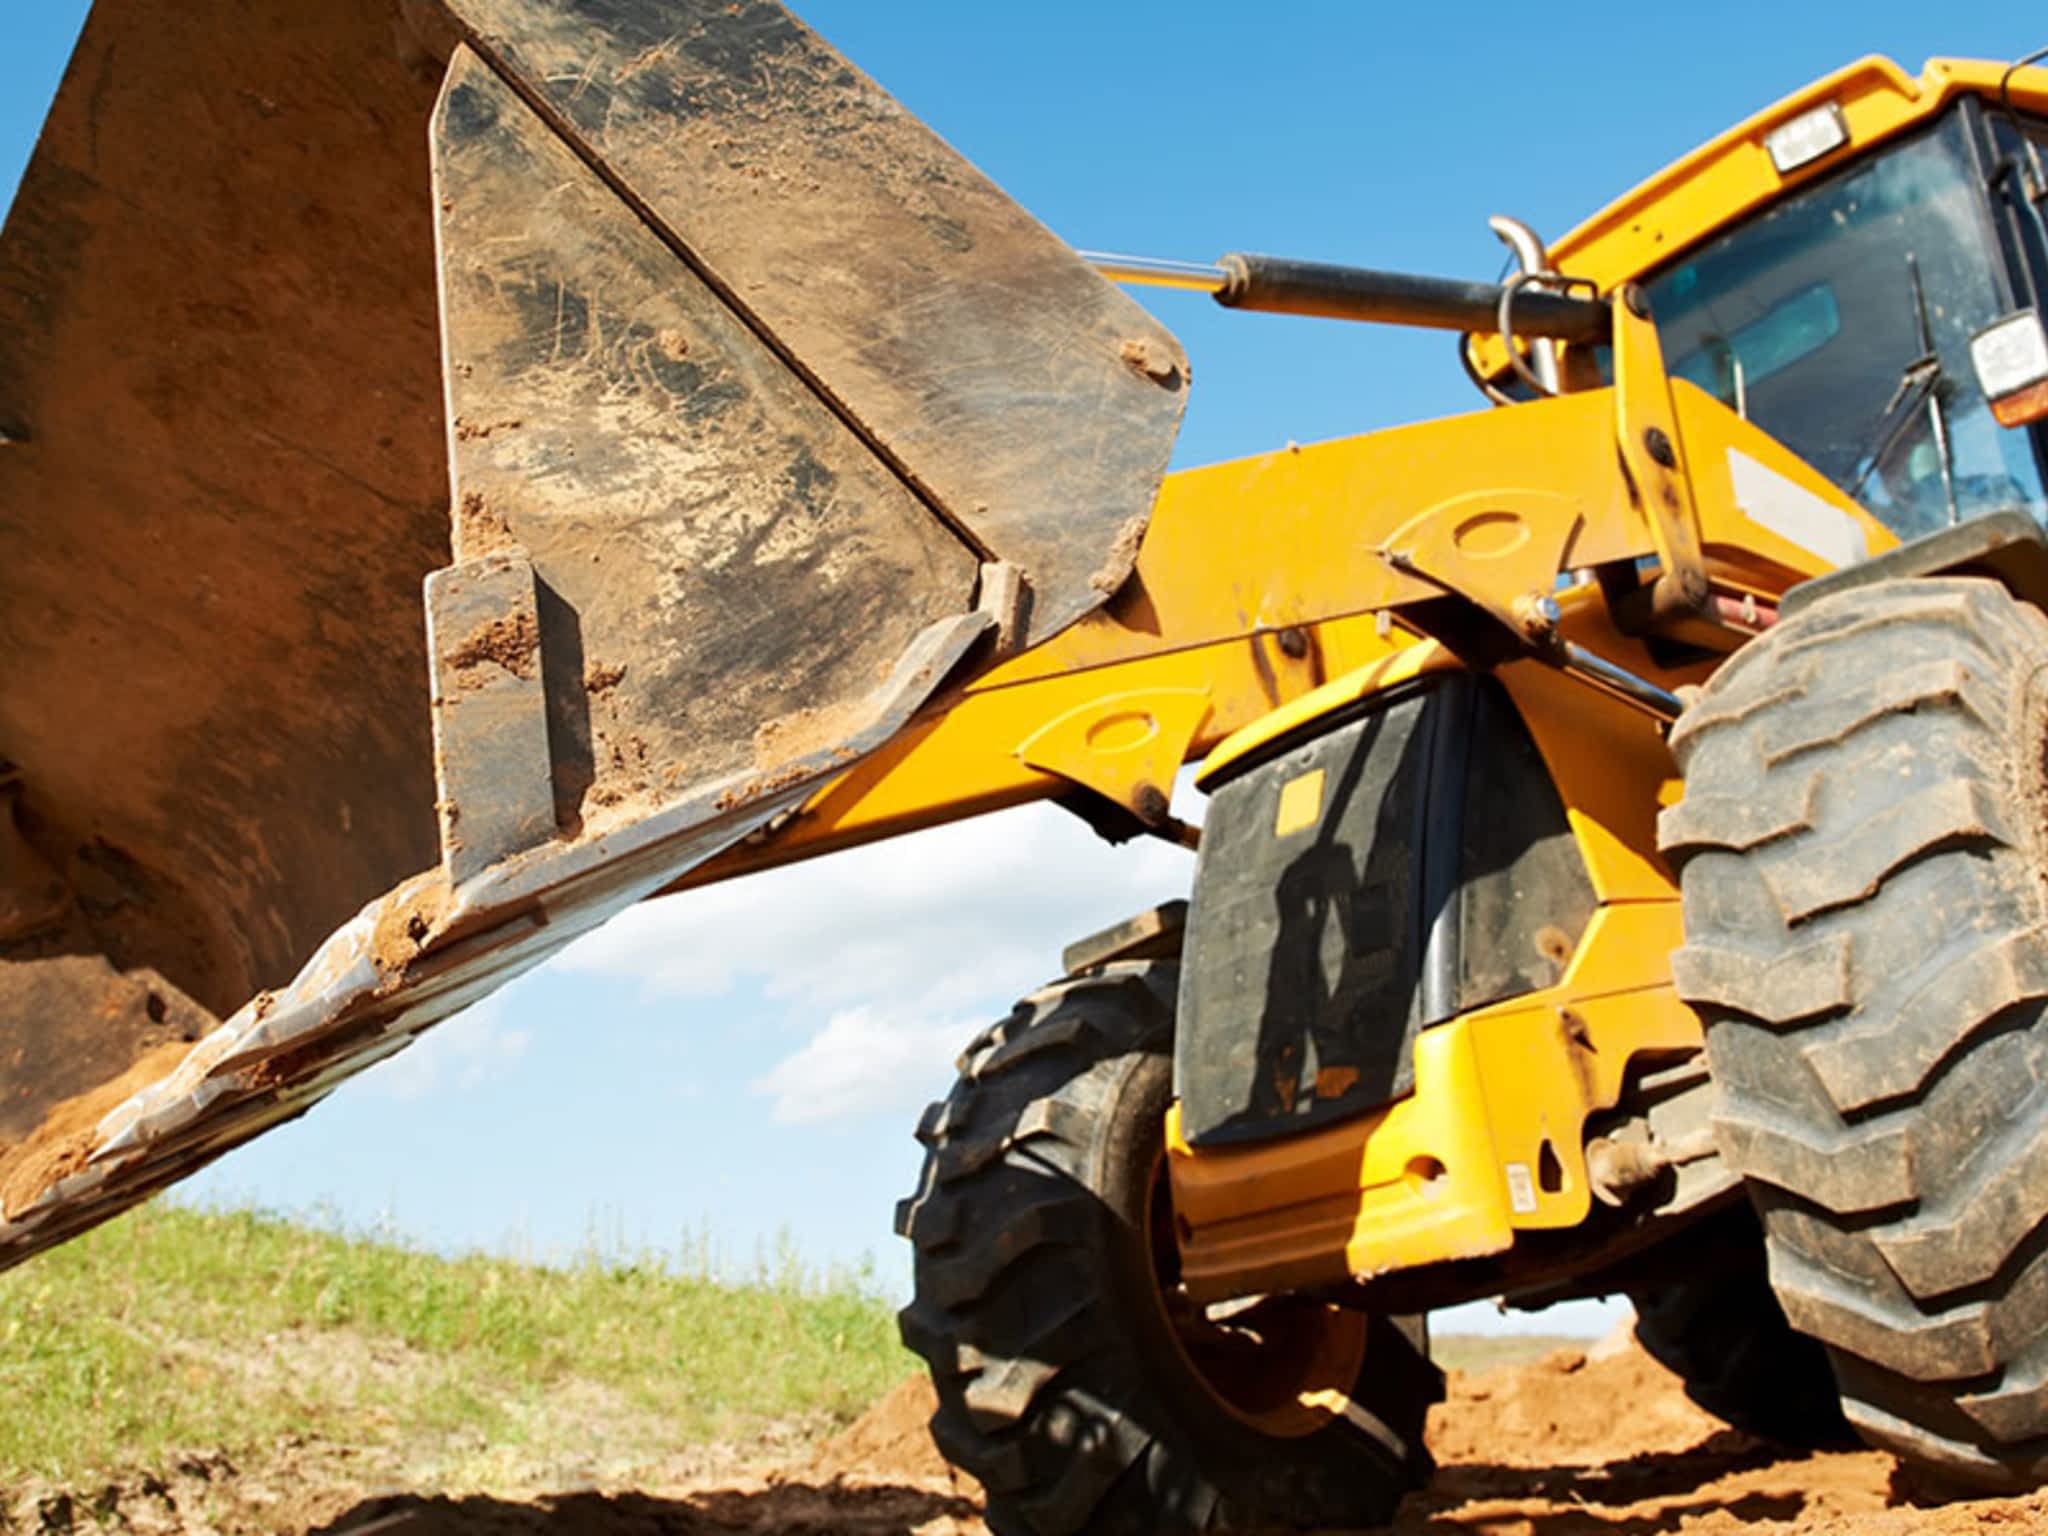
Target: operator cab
1840	319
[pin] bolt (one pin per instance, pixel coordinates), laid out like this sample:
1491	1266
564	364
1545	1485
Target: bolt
1537	612
1659	448
1149	357
1293	642
1150	803
1637	301
1618	1169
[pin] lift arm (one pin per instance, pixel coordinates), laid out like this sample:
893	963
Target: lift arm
1264	578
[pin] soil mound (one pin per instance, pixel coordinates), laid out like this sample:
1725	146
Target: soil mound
890	1442
1601	1444
1569	1407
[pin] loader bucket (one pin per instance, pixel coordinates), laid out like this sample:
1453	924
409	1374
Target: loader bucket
459	469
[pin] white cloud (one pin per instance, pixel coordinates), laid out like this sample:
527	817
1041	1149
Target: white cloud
902	948
934	919
455	1056
864	1062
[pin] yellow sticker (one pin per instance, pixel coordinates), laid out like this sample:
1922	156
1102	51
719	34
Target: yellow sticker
1301	804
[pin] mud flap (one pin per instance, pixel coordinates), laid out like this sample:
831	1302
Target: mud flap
743	380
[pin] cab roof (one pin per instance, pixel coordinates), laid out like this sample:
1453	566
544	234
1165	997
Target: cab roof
1732	175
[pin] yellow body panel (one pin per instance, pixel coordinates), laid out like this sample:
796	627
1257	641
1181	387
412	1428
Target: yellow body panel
1411	1183
1388	672
1549	1059
1737	547
1456	1168
970	756
1606	760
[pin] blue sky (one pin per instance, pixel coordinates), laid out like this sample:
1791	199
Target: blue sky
750	1059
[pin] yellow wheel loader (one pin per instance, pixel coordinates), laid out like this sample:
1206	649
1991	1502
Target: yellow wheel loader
467	468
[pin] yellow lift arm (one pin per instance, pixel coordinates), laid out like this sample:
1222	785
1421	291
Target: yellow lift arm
1263	579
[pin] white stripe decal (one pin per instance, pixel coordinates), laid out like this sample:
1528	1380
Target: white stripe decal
1794	513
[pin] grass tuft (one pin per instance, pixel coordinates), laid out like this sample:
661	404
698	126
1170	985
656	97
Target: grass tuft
174	1329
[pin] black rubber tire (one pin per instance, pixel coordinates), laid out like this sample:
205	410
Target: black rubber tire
1060	1386
1714	1323
1867	941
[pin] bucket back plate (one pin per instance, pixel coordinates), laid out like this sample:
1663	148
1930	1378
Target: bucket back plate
462	468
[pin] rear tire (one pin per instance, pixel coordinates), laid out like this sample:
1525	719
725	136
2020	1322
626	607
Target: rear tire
1867	941
1719	1329
1066	1386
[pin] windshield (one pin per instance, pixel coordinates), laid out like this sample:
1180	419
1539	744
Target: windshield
1840	320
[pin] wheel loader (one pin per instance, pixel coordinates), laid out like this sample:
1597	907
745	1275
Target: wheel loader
468	468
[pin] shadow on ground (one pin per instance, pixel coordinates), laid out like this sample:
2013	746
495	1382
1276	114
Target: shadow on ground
1644	1495
783	1508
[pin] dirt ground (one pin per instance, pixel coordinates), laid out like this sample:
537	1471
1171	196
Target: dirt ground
1571	1445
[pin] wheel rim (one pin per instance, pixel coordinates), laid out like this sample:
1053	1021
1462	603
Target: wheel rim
1285	1365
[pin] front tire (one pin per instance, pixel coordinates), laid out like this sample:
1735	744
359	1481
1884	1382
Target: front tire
1867	942
1065	1361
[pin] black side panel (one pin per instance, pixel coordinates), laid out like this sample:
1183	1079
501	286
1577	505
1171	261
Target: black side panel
1404	867
1523	895
1300	982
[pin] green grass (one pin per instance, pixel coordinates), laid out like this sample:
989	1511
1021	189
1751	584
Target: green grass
1476	1352
173	1330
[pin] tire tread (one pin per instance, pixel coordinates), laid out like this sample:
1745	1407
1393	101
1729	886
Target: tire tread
1889	1118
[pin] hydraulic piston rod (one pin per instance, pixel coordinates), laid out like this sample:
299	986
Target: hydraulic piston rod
1280	286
